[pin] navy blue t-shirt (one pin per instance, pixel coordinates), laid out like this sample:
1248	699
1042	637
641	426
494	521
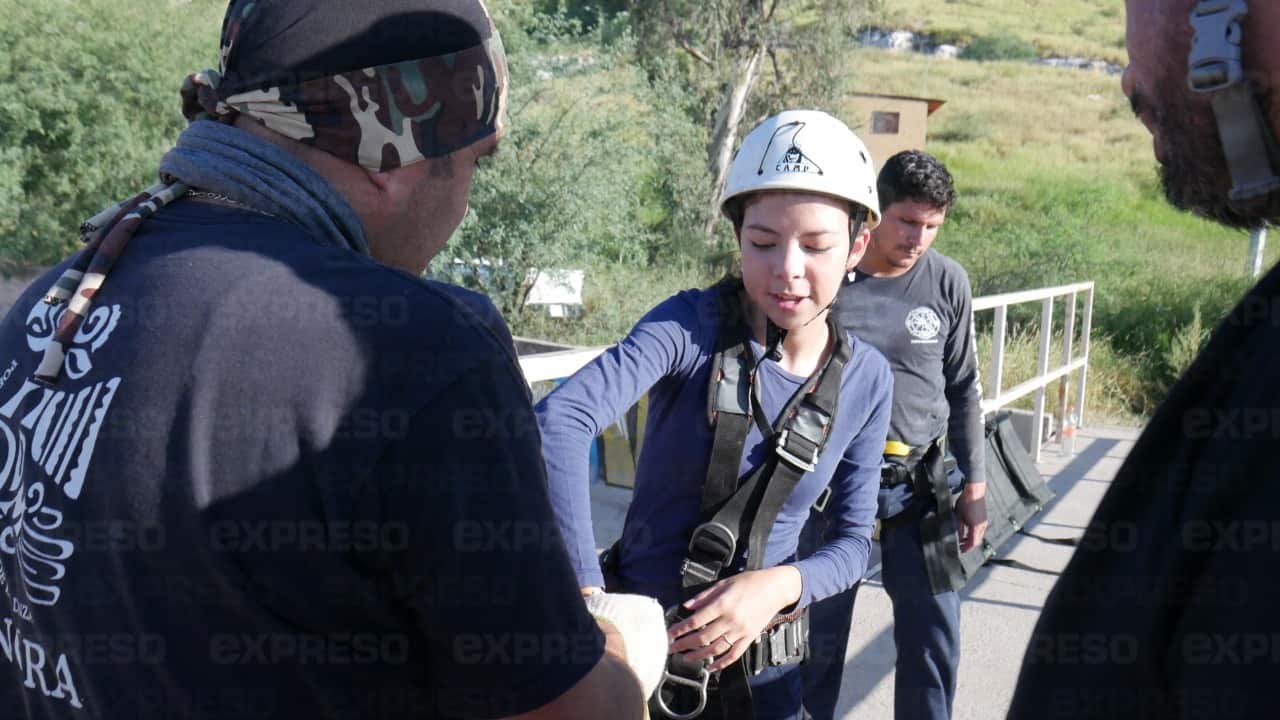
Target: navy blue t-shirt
275	480
668	354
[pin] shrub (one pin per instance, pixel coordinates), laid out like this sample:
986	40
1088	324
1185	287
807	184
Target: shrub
1001	46
88	104
593	170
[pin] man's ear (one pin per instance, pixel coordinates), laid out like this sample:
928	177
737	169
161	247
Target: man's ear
380	179
857	247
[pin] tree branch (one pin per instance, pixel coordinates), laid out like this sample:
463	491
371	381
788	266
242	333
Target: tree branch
777	71
683	42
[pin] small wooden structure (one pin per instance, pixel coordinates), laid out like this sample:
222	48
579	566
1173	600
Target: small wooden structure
889	124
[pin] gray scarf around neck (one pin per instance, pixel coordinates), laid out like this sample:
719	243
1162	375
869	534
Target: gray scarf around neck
218	158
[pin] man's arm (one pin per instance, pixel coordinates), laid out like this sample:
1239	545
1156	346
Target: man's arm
467	481
964	423
610	689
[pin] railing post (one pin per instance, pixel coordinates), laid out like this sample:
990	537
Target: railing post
1046	335
1064	385
1084	348
997	351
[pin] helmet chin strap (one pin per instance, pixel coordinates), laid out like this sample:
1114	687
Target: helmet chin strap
1214	68
774	335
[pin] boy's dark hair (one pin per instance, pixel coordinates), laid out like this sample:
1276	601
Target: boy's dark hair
914	175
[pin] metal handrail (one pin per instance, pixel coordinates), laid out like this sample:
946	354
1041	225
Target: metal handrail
999	397
558	364
563	363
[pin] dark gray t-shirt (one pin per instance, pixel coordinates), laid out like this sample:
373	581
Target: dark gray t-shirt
922	321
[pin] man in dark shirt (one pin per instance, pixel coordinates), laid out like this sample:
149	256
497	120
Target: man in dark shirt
251	465
1168	609
915	305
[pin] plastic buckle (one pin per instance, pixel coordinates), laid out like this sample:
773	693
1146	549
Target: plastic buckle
793	459
1214	62
820	505
720	542
699	684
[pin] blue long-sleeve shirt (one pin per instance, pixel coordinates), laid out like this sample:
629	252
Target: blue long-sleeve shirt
669	354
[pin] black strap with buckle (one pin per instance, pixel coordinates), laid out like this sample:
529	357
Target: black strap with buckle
939	531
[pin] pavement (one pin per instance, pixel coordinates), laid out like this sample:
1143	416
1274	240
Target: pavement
1001	604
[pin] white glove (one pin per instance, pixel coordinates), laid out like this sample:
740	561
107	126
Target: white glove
643	626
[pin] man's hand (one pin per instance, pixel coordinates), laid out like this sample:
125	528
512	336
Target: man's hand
971	511
640	628
729	616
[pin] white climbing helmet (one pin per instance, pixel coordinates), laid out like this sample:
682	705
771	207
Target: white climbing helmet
805	151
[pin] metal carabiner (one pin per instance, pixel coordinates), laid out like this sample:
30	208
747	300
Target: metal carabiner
700	685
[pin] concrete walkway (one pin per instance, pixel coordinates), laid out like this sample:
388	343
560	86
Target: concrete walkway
1001	604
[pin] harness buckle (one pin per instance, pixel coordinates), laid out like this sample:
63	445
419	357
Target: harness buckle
786	643
790	455
715	540
699	684
711	547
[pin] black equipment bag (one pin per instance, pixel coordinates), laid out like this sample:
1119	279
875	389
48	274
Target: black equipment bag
1015	490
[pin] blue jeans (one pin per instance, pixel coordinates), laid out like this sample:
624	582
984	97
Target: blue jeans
926	629
776	693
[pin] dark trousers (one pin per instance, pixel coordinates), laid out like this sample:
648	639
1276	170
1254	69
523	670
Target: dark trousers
926	629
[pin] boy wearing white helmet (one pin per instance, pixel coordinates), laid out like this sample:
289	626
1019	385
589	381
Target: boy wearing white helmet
759	407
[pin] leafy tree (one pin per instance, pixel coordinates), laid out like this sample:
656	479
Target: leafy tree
742	58
88	104
592	169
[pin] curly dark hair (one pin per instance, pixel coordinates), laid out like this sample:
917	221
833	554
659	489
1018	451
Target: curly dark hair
915	175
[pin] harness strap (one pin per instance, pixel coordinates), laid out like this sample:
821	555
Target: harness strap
939	535
733	511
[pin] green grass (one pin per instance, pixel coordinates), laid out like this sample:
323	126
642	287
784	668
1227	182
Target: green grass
1057	185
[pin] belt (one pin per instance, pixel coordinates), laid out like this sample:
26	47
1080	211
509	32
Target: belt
893	474
902	460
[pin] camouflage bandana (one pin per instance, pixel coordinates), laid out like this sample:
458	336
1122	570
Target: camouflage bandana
380	118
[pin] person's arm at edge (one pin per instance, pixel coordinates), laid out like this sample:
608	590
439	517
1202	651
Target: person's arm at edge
964	425
444	503
610	686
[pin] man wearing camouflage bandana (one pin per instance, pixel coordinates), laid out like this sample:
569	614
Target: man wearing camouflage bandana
251	464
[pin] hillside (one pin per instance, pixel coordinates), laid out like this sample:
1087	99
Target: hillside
1082	28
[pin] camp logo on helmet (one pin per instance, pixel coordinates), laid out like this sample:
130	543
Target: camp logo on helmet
793	160
923	324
